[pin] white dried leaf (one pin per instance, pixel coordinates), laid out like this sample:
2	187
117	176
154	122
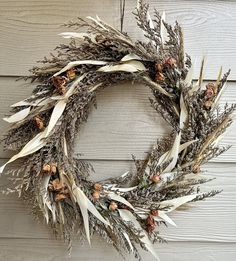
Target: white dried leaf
156	86
176	202
128	240
166	156
21	103
60	106
65	147
37	102
119	198
163	31
202	70
174	152
150	20
97	22
129	57
79	36
82	202
108	26
189	76
20	115
126	215
56	114
129	66
85	204
75	63
46	200
219	77
183	112
32	146
163	215
216	101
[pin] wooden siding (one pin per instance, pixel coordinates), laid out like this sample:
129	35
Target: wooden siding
123	124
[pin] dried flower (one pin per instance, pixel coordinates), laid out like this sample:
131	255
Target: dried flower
59	83
158	67
70	74
155	178
211	90
38	122
96	195
113	206
212	86
209	93
154	212
170	61
47	168
150	228
207	104
54	168
56	185
150	224
159	77
196	169
59	197
97	186
150	220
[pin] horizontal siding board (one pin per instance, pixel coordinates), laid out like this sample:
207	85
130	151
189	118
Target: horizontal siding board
123	124
212	220
35	26
51	250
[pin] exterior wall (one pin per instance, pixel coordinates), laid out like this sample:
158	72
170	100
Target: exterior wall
123	124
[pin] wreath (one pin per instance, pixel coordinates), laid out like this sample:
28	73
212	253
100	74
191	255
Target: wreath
126	211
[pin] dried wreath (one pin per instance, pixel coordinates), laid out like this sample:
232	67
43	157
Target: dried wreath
125	211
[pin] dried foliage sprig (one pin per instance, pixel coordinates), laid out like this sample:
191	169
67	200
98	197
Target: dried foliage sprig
128	210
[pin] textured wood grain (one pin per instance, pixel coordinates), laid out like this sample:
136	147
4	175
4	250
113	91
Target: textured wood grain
51	250
212	220
123	124
29	29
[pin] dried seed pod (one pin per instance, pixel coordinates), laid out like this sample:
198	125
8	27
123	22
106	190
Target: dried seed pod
207	104
209	93
211	86
61	90
96	195
97	186
54	168
57	185
154	212
196	169
38	122
150	228
59	197
113	206
70	74
159	77
158	67
155	178
150	220
47	168
50	187
65	191
170	61
59	83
